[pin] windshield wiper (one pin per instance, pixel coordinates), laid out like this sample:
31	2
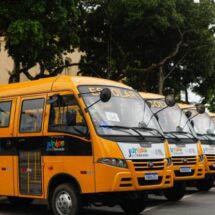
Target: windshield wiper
152	129
204	135
174	135
182	132
123	127
135	129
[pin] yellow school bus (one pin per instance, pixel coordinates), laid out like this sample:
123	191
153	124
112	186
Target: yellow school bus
204	127
186	150
76	141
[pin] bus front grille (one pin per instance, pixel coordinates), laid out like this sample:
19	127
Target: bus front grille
190	160
211	158
145	165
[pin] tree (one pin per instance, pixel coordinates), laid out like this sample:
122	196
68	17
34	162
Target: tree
146	42
195	61
39	32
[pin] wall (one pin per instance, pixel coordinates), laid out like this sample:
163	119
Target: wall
6	64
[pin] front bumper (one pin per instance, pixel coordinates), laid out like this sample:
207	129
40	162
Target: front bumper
210	164
133	178
197	168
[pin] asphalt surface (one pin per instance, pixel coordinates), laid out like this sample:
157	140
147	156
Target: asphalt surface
194	203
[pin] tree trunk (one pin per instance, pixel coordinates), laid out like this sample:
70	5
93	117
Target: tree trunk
15	76
186	96
160	80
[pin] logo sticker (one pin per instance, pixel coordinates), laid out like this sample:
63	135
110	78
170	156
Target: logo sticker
137	152
186	150
209	149
176	150
55	145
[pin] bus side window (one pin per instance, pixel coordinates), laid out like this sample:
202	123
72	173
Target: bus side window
5	111
31	115
66	116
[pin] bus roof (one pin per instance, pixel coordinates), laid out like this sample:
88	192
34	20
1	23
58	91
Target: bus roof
211	114
186	106
151	95
54	84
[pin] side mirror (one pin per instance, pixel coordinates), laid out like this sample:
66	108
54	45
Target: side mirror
71	117
170	100
200	108
105	95
188	114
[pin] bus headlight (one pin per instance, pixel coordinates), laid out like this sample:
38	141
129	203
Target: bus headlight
201	158
169	161
113	162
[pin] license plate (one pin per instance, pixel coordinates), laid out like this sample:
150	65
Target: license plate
185	169
151	176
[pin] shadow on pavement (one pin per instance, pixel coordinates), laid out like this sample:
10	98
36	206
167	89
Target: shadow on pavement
39	207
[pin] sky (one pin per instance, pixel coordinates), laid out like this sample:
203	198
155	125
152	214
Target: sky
193	97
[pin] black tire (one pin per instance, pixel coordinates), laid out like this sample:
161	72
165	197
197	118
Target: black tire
19	201
134	205
175	193
205	184
65	200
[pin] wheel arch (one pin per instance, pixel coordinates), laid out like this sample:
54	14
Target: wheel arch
62	178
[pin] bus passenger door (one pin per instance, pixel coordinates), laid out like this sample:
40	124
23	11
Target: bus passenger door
30	172
68	146
30	145
7	146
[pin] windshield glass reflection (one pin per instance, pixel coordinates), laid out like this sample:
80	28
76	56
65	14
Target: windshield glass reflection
171	119
203	123
126	109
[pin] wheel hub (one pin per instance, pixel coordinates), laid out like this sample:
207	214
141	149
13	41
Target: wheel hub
64	203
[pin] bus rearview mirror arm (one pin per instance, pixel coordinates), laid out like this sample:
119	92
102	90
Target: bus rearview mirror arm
86	109
200	110
189	120
105	95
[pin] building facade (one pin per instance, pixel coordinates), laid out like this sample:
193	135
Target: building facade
7	64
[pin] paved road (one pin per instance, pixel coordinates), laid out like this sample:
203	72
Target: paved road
194	203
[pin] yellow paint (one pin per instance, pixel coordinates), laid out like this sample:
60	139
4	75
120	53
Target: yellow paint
100	178
199	171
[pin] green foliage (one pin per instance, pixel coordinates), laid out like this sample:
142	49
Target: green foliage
39	31
145	43
124	34
124	39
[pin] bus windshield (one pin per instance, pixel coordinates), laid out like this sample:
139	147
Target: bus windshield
171	119
124	114
203	123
